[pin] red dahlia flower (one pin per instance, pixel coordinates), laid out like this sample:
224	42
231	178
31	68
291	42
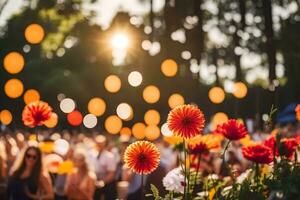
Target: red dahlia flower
271	143
142	157
289	146
186	121
258	153
232	130
36	113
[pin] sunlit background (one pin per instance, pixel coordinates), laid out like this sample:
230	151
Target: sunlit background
121	65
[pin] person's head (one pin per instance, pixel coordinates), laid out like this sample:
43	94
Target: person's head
100	142
32	160
80	161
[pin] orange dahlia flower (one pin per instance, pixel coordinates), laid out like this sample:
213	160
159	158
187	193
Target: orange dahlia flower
202	144
186	121
232	130
142	157
36	113
258	153
297	110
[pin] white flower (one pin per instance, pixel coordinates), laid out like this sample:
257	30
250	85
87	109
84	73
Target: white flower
241	178
213	177
203	194
174	181
226	190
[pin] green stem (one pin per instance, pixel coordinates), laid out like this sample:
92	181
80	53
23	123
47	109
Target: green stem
185	172
257	175
142	187
197	170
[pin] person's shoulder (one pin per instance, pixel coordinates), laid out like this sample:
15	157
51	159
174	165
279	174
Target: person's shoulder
45	177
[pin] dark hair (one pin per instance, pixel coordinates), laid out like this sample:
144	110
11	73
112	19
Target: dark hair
37	168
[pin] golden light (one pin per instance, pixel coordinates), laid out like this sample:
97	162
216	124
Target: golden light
67	105
120	40
90	121
152	117
13	62
46	147
113	124
125	131
165	131
112	83
173	140
31	95
13	88
239	90
124	111
152	132
218	118
138	130
151	94
135	78
34	33
216	95
96	106
52	122
169	68
66	167
175	100
6	117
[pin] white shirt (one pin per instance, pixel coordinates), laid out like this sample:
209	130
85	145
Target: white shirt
105	162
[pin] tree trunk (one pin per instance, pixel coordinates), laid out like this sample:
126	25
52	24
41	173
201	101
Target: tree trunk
270	43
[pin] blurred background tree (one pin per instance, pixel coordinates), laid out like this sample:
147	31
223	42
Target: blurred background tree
214	42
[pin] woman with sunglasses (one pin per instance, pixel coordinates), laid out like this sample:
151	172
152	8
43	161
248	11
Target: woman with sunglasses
28	182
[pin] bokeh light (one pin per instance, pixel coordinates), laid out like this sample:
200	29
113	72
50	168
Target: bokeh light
67	105
216	95
218	118
46	146
31	95
151	94
152	132
112	83
6	117
96	106
120	40
74	118
239	90
135	78
34	33
125	131
138	130
61	147
124	111
13	88
13	62
175	100
165	131
152	117
169	68
52	122
113	124
90	121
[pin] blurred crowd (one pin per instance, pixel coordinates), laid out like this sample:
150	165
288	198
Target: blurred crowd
86	166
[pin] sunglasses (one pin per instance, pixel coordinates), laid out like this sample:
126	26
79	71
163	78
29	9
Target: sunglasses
29	156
